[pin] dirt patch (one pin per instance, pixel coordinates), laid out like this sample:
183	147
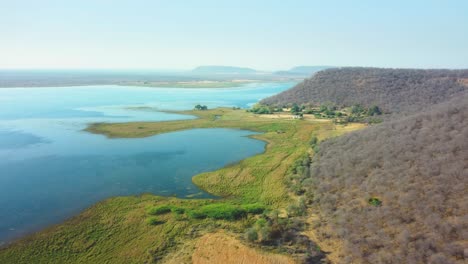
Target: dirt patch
332	247
463	81
290	116
222	248
276	116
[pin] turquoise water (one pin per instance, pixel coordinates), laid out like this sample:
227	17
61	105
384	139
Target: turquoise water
51	169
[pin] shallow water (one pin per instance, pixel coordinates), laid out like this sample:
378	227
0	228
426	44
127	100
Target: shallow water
51	169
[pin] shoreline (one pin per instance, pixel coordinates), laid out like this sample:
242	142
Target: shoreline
7	243
207	84
257	179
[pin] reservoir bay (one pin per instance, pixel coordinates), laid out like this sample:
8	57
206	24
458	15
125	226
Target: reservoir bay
50	169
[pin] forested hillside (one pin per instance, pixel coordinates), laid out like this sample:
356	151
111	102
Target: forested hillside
393	90
397	192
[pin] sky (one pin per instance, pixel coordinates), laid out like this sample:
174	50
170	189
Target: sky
265	35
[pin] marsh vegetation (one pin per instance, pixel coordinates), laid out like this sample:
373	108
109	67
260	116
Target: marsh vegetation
147	228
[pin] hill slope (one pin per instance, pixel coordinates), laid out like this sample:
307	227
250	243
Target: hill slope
397	192
393	90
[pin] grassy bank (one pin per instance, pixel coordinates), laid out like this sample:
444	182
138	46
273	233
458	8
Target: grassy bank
147	228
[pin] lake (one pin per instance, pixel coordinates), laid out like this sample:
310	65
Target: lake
51	169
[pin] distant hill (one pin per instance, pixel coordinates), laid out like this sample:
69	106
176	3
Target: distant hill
397	192
303	70
393	90
213	69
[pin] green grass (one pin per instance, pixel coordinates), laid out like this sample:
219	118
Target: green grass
144	229
162	209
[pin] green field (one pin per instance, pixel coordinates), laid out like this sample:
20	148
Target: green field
144	229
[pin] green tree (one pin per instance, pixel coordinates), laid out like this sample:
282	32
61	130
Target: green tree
261	109
357	109
374	110
295	109
201	107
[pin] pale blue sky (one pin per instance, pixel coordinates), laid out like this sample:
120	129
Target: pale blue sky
268	35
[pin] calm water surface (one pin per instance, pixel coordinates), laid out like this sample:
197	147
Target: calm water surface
50	169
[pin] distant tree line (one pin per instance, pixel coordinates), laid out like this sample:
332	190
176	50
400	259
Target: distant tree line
201	107
262	109
356	113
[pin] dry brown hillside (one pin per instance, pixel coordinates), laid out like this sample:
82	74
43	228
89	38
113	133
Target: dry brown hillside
397	192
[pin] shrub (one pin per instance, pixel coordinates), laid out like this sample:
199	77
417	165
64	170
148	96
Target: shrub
154	221
254	208
375	201
251	234
196	214
313	141
374	110
261	222
357	109
178	210
265	233
158	210
223	211
298	209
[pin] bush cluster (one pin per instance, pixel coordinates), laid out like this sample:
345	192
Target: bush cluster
158	210
261	109
218	211
271	230
154	221
225	211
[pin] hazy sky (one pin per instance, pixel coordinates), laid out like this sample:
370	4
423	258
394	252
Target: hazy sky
268	35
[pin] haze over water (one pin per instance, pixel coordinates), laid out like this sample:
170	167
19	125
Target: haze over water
51	169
